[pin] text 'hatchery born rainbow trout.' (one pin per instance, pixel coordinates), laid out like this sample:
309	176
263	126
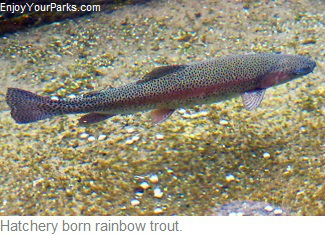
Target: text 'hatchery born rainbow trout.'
170	87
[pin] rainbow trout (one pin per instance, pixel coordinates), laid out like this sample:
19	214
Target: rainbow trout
170	87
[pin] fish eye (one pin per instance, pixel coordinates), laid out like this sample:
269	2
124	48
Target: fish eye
301	71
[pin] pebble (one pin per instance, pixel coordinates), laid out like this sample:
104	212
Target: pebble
278	212
157	193
223	122
154	179
129	141
182	111
72	96
144	185
159	136
135	202
186	115
54	98
204	113
266	155
135	138
130	129
158	210
84	135
232	214
91	138
305	157
268	208
236	214
101	137
300	192
139	193
132	139
230	178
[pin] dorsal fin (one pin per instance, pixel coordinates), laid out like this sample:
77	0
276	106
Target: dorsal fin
160	72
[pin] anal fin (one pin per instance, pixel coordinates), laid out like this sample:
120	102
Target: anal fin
252	99
93	118
160	115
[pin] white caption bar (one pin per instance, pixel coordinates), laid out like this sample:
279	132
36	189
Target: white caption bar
160	225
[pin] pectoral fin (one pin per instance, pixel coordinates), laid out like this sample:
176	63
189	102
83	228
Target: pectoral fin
252	99
93	118
160	115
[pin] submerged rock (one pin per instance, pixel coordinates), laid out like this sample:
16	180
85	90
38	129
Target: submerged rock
249	208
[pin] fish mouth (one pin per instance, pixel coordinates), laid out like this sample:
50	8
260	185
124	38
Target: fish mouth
305	70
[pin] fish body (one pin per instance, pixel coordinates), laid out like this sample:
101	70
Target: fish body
170	87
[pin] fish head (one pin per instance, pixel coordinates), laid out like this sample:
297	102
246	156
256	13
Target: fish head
297	66
287	68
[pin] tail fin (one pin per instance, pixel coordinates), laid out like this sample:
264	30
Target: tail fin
26	106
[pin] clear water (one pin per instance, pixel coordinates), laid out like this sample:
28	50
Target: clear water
198	159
